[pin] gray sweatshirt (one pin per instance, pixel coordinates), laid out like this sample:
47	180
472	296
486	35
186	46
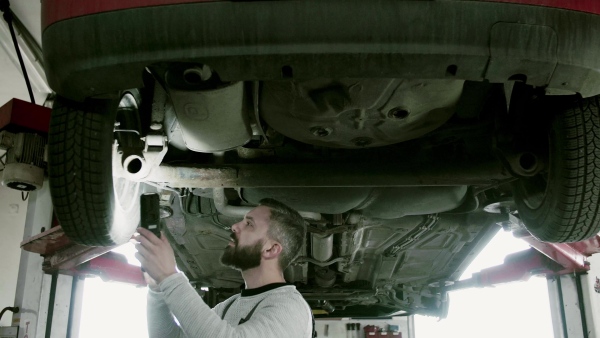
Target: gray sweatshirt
282	312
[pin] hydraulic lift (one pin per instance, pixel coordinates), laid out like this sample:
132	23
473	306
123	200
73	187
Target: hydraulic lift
49	298
52	268
572	277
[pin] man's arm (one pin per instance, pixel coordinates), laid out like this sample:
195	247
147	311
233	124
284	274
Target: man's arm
288	319
158	260
278	316
160	320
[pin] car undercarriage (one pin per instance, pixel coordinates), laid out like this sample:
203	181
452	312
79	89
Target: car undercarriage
405	144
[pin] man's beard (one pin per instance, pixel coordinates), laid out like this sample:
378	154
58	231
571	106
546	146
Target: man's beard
242	257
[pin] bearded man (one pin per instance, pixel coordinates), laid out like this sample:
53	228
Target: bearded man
263	244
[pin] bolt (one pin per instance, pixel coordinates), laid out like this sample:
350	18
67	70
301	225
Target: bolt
504	209
197	75
506	226
362	141
398	113
166	212
321	131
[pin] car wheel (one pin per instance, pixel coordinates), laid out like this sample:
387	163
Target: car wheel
93	207
561	204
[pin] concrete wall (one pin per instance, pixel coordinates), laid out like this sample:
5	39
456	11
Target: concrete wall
12	224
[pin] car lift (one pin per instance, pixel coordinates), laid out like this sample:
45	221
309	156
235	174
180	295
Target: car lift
65	263
49	299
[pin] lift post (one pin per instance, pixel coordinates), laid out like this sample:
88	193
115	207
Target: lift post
47	302
575	302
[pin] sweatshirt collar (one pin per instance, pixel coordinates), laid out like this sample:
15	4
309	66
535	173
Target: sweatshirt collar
264	288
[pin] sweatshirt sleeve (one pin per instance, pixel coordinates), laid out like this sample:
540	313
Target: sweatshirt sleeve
160	320
280	318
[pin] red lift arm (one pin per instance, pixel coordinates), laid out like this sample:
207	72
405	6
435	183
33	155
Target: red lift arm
66	257
541	259
60	254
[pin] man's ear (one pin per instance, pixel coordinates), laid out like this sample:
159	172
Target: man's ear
272	251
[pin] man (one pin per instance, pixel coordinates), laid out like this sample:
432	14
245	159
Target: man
263	244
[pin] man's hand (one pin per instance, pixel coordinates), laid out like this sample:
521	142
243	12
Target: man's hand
155	254
152	285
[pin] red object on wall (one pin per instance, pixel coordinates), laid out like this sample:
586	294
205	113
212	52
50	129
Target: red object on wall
382	334
390	334
18	113
371	328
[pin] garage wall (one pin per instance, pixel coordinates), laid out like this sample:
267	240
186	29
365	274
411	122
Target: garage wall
12	84
12	223
337	328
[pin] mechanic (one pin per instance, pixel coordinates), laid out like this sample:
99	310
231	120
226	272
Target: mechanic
263	244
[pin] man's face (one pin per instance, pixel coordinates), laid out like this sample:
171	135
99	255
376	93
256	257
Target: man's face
248	238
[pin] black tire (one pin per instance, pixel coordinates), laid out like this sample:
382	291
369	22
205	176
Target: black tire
80	174
562	204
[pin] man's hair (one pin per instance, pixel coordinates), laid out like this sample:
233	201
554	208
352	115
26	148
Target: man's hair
287	227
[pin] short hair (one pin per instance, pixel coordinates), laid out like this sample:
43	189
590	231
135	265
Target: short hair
288	228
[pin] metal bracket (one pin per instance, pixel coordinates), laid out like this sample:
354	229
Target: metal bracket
137	167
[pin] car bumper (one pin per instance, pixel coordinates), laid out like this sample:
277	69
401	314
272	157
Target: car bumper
101	53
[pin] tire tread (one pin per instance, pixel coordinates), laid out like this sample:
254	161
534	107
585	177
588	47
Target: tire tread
77	161
576	215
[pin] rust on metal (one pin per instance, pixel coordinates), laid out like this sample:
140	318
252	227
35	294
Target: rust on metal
47	242
587	247
329	175
571	256
72	256
193	176
59	252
